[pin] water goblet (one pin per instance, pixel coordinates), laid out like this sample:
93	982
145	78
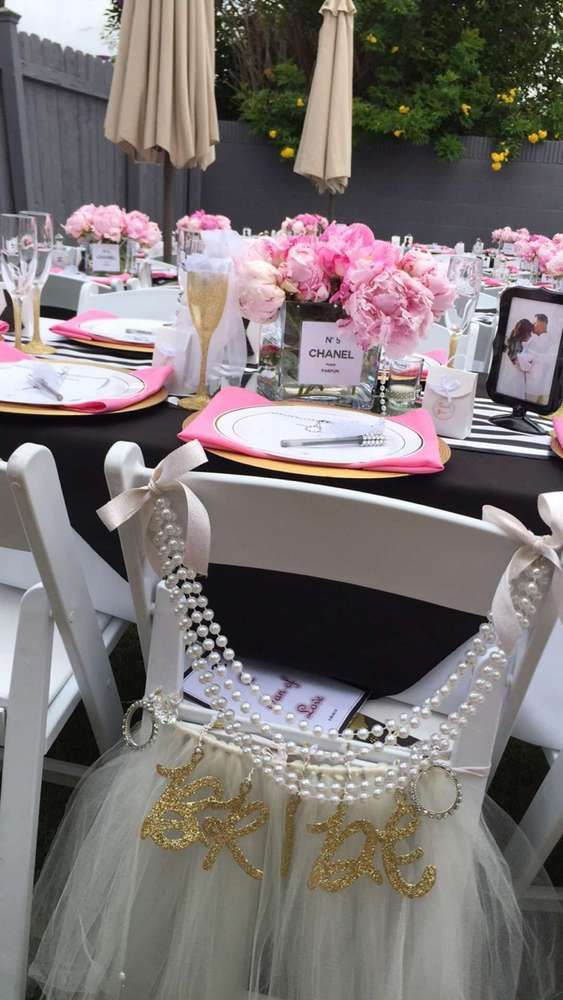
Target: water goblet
44	225
18	262
464	272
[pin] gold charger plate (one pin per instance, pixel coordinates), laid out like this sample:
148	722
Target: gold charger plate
324	471
59	411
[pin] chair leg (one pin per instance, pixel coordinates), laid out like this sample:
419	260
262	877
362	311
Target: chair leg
21	786
542	825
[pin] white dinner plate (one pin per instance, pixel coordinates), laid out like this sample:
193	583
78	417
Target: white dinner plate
127	331
81	384
262	429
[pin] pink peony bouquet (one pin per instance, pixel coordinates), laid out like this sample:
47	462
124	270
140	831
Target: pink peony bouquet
507	235
554	265
534	247
386	299
305	224
112	224
200	220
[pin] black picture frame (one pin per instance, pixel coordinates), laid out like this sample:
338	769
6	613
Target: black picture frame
537	297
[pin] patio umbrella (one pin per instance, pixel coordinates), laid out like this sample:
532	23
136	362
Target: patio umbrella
162	101
325	150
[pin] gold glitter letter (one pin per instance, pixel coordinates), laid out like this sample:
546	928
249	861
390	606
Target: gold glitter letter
389	836
348	869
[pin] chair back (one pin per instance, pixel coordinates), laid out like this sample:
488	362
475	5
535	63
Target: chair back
30	492
136	303
377	542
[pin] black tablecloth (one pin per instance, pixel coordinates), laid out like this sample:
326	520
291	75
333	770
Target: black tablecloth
348	632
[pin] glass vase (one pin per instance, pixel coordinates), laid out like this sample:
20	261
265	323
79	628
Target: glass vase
305	356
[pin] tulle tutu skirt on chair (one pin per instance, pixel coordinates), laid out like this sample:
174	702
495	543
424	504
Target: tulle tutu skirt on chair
135	902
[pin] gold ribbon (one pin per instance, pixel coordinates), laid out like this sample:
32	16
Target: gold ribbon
168	479
550	507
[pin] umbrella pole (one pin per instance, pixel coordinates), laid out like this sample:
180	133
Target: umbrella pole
167	208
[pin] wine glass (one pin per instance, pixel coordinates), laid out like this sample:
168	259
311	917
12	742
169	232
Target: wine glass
44	225
18	262
464	272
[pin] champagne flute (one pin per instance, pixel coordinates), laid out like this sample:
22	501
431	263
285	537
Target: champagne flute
464	272
18	261
207	296
44	225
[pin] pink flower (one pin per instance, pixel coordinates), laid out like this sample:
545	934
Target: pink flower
555	265
109	223
390	308
152	235
545	252
79	224
274	249
421	266
306	274
304	224
136	225
260	296
200	220
557	239
527	247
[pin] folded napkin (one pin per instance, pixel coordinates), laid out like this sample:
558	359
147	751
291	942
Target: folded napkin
492	282
73	327
558	428
103	280
203	429
152	378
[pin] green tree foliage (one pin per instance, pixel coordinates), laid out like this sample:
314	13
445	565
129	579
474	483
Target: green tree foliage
426	71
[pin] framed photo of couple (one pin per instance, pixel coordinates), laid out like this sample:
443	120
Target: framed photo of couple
527	366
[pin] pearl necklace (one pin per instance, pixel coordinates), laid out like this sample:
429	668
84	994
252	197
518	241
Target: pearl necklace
291	762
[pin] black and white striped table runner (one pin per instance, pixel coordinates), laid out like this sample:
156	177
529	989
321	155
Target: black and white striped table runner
488	437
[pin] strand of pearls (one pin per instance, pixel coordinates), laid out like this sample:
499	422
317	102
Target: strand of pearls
293	762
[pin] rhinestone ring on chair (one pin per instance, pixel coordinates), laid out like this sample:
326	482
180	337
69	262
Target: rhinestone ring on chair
413	788
143	704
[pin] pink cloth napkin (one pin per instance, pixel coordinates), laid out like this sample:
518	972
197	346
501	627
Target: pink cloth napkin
73	327
438	355
108	280
203	429
164	276
4	327
558	428
99	280
152	378
492	282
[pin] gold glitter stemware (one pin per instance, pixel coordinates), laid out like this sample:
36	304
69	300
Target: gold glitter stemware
206	294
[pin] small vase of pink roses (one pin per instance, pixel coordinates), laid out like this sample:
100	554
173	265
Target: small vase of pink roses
330	298
112	237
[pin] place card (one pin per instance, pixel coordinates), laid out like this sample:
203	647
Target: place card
319	700
105	257
328	356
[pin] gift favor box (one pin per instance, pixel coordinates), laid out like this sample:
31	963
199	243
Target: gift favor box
449	397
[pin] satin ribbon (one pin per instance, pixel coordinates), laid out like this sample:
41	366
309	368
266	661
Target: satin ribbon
550	507
446	386
168	480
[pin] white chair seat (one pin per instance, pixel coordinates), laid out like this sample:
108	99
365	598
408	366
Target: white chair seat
61	669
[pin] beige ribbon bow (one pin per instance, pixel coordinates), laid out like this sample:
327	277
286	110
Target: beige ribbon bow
550	507
167	478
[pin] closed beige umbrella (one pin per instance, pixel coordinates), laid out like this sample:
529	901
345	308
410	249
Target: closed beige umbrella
325	150
162	101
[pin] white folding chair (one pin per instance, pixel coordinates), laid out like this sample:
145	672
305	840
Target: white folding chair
53	653
136	303
376	542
